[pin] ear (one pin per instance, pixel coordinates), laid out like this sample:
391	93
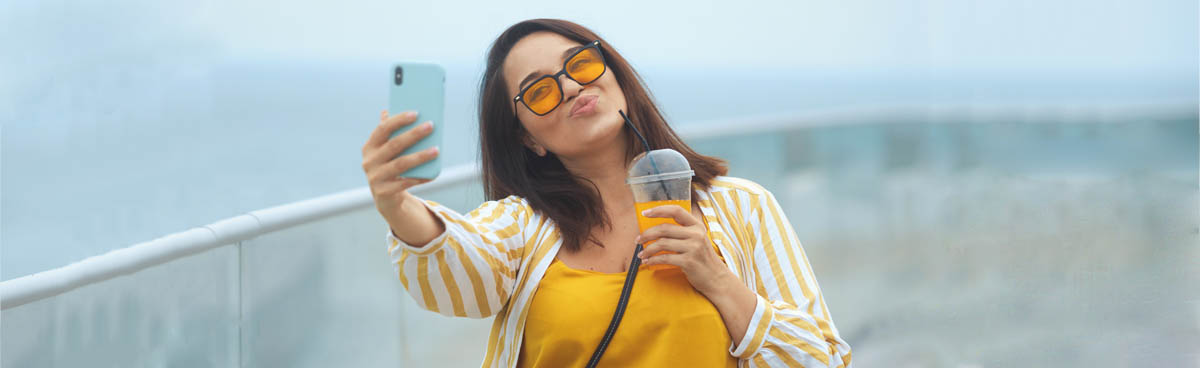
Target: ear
533	145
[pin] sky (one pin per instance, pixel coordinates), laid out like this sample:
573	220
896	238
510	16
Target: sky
990	35
54	43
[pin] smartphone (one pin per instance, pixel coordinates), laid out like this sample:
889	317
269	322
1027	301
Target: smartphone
419	87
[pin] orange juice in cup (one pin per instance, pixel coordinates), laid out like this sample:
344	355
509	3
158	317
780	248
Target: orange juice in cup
645	223
657	178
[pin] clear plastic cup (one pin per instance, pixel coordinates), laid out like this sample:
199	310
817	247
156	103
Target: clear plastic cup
660	178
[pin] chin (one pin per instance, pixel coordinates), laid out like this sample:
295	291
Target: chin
602	129
608	126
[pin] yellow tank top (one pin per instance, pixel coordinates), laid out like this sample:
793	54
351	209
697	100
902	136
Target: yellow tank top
666	324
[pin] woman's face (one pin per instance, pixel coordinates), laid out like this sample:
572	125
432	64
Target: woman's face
565	131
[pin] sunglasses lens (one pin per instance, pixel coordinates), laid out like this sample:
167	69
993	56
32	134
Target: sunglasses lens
542	96
586	66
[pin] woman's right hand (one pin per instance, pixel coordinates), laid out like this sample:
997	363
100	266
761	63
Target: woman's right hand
382	166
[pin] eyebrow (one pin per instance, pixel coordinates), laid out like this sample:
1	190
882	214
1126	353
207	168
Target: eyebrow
534	74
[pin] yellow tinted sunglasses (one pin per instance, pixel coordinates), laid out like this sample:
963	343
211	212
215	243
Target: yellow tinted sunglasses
545	93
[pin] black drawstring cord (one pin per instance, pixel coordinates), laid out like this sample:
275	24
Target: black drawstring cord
630	275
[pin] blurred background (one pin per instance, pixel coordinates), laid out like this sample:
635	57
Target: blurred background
976	184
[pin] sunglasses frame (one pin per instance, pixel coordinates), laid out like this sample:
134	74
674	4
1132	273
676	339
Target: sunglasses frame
594	44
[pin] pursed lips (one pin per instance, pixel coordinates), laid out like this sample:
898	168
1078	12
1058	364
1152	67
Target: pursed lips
582	101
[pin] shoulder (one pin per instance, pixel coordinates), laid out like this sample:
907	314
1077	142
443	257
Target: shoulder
518	205
736	185
739	195
514	206
513	201
738	201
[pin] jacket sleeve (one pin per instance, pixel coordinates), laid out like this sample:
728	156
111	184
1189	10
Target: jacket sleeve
791	326
469	270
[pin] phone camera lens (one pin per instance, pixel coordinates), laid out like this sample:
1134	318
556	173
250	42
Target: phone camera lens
399	77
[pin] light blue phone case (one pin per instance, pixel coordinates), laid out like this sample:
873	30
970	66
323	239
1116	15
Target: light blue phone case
419	87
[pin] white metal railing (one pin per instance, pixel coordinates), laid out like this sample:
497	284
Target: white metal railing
41	285
229	231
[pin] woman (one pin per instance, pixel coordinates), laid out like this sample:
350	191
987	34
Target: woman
547	253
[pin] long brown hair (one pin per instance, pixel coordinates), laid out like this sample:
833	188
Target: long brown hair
511	168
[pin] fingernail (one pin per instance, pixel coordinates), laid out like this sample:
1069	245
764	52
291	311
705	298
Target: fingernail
428	126
433	150
646	213
410	114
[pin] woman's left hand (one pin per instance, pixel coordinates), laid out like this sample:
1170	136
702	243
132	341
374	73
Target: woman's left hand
689	240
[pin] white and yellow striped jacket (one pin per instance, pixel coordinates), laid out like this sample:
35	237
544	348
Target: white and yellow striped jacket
490	262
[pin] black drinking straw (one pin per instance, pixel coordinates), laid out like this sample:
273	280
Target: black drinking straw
646	145
639	134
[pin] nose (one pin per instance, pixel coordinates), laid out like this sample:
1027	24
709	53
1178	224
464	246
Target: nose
570	87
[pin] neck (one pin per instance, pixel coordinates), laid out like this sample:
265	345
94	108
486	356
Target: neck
607	169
